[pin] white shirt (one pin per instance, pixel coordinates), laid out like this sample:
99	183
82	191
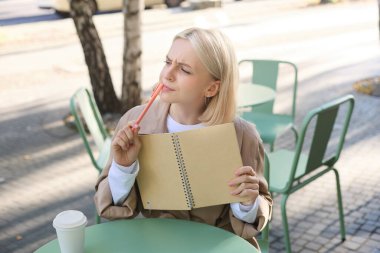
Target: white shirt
121	179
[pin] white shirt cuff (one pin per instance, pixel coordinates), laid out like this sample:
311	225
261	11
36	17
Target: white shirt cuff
121	180
246	213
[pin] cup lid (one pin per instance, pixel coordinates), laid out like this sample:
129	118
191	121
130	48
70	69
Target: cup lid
69	219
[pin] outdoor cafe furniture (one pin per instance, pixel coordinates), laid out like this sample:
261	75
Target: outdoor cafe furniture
157	235
249	95
91	128
292	170
270	124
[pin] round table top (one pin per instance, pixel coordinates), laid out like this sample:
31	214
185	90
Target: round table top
254	94
157	235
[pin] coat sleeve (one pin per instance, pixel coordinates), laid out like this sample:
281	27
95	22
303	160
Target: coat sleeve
103	196
252	151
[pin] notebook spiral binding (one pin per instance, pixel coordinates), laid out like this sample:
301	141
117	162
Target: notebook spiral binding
182	169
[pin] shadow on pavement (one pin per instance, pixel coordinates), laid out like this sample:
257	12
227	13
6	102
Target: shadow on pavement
39	18
31	19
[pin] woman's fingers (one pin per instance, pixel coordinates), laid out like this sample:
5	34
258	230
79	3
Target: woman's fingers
245	187
128	134
121	135
243	179
126	145
120	142
245	170
246	184
136	137
125	137
249	193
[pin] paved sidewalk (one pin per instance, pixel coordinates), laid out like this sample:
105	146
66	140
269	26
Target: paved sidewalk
44	168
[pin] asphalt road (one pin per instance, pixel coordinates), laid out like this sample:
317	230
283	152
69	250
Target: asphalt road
13	12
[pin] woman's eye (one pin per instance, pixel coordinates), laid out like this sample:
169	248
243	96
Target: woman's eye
184	70
167	62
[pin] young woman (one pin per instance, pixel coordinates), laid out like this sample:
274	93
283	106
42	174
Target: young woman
200	76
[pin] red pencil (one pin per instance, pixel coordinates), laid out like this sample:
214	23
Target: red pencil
152	98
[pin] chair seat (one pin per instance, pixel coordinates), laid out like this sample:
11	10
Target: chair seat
283	159
269	125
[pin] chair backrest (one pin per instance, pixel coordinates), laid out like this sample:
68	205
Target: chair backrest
266	72
86	114
325	120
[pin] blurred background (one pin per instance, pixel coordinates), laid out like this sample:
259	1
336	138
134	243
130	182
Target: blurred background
44	167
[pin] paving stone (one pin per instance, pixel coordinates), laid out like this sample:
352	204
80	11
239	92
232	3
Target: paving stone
304	225
279	245
300	242
313	246
307	251
352	228
373	216
351	245
297	248
316	229
358	239
321	240
366	249
359	221
376	237
372	243
368	227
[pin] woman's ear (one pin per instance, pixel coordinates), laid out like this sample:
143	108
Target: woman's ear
213	88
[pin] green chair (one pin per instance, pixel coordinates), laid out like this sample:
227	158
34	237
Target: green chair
263	240
269	124
292	170
90	125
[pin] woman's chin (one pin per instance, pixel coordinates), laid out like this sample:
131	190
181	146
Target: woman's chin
166	98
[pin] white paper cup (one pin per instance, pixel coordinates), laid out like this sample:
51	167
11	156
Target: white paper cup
69	226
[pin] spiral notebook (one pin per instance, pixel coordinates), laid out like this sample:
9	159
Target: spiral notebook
190	169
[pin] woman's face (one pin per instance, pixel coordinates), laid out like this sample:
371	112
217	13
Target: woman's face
186	81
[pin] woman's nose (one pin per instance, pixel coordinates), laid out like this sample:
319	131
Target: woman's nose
169	73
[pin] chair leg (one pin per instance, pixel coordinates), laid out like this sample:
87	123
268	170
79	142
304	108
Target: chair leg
285	223
340	206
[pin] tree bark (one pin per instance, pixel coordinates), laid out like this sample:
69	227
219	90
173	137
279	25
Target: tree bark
131	88
101	82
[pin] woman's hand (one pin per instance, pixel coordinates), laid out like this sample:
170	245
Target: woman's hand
126	145
246	183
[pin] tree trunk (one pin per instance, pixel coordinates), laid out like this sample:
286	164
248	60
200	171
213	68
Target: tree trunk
131	88
104	93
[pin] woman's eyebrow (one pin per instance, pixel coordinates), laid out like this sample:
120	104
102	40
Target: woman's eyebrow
179	63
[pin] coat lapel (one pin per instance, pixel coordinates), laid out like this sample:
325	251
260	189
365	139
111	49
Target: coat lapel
155	119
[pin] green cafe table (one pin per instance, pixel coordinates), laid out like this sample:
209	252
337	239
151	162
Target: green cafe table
253	94
157	235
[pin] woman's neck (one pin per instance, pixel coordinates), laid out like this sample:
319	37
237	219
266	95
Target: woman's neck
184	114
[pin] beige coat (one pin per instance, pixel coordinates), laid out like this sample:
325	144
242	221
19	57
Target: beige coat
252	154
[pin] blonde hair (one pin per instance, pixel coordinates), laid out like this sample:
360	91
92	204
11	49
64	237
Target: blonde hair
217	55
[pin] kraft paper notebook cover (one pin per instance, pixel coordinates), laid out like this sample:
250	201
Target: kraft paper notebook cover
190	169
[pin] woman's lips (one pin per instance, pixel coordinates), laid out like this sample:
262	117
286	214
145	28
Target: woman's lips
166	88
